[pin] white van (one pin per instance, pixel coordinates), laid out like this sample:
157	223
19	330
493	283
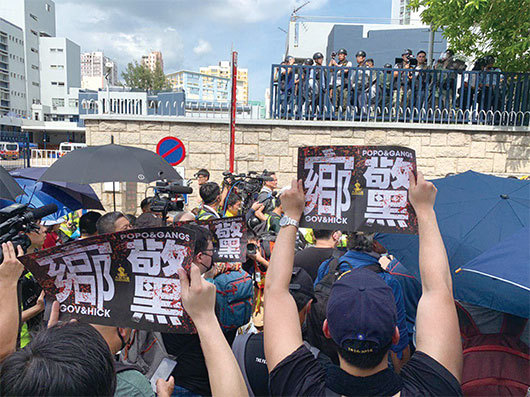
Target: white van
9	151
66	147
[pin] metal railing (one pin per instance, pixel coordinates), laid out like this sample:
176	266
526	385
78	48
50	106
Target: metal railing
399	95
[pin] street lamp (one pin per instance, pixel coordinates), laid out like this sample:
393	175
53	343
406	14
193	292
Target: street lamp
109	66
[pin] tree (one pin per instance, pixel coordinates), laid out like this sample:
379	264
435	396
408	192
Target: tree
483	27
141	77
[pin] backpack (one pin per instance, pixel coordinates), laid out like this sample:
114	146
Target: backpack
233	299
144	351
495	364
315	319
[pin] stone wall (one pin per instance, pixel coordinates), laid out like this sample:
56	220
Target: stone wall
273	145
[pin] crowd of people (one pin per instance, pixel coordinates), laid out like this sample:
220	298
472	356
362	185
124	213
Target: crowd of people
418	85
330	315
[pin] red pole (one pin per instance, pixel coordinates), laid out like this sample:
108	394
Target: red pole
233	111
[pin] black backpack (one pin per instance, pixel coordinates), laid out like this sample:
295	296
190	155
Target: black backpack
315	319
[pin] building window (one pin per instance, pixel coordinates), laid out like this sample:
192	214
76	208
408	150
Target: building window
54	83
34	67
72	102
35	84
35	33
48	7
34	17
34	50
61	84
57	102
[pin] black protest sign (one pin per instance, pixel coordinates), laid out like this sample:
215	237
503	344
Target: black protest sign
125	279
357	188
229	238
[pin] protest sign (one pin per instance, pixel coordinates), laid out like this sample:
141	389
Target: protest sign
357	188
125	279
229	238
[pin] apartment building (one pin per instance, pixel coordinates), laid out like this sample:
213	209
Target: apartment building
152	59
224	70
93	70
12	70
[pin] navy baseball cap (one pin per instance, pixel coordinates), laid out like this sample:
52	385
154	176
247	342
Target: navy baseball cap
361	312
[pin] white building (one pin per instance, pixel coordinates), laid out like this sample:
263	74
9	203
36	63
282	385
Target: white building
60	72
36	18
403	15
12	70
93	71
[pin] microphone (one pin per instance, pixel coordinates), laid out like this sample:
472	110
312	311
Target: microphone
41	212
180	189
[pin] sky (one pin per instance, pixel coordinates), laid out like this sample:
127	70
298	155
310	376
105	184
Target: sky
198	33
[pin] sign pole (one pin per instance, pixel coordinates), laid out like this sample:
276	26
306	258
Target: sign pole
233	111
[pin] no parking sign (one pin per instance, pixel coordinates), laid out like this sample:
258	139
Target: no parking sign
172	150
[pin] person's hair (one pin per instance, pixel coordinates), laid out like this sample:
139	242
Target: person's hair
105	224
67	360
131	218
233	199
364	360
148	220
202	237
203	172
146	202
359	241
87	222
370	60
421	52
209	192
321	234
277	201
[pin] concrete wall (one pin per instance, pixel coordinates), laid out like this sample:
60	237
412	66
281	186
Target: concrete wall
273	145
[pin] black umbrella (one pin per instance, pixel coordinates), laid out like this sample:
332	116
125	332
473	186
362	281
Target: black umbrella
9	188
110	163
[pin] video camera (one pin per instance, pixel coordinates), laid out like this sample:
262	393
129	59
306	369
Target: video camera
413	62
168	197
16	220
247	185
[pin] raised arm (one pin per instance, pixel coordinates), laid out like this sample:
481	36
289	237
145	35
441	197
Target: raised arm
198	299
281	323
10	271
437	329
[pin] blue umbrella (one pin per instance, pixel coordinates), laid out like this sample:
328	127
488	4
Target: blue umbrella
475	212
499	278
38	194
84	194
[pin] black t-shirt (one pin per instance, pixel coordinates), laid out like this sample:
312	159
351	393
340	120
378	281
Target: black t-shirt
256	365
311	258
190	371
300	374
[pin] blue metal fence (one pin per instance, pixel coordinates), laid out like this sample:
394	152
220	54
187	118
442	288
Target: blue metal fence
399	95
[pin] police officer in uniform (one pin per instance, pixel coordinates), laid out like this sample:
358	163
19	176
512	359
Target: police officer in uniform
317	85
342	83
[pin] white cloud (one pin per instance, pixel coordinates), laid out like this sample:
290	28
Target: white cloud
252	11
203	47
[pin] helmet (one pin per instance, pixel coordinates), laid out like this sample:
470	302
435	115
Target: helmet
489	59
407	51
387	66
308	62
318	55
360	54
342	51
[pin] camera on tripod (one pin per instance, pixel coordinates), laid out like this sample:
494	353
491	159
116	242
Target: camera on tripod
16	220
168	197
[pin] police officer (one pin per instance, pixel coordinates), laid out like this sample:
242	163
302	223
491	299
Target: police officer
317	85
342	86
360	57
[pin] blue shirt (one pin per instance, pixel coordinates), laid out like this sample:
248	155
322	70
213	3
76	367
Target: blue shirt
355	260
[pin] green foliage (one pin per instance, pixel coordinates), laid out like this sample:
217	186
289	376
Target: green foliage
483	27
141	77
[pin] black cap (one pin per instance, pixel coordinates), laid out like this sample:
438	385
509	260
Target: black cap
302	284
318	55
342	51
360	54
387	66
406	51
308	62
